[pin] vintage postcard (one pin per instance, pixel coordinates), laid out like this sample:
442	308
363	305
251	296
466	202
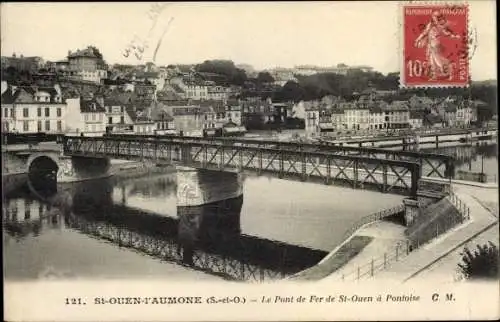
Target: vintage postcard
259	161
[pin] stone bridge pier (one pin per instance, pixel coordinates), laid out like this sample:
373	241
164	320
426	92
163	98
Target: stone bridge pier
208	206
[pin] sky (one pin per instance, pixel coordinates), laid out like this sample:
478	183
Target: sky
262	34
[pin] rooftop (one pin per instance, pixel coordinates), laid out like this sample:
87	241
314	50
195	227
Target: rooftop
91	106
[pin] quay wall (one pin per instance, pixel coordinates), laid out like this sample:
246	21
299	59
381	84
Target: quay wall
421	138
12	181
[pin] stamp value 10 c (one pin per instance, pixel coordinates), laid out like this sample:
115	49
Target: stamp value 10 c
435	46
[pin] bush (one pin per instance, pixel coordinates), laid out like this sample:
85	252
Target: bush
483	263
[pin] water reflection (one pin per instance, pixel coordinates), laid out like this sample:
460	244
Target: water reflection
24	216
479	156
215	246
161	187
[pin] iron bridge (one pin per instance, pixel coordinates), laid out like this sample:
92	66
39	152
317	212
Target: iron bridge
359	172
431	164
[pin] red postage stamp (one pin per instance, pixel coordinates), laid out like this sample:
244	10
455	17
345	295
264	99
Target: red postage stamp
435	46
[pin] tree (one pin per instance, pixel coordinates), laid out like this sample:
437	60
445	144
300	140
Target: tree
483	263
234	75
265	77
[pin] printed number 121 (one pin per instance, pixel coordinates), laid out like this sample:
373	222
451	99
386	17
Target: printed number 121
74	301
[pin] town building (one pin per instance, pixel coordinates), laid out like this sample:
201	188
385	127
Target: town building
191	120
416	118
21	63
397	115
376	117
465	114
117	117
33	109
86	117
338	119
325	121
153	120
87	64
312	121
233	112
218	93
195	91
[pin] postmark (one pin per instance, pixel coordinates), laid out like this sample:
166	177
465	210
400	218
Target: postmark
435	45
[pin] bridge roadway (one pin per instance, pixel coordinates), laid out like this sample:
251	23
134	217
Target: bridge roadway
388	176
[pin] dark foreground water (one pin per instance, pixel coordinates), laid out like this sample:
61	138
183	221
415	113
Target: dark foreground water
286	226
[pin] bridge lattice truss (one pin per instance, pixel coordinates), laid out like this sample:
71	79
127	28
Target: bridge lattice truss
355	171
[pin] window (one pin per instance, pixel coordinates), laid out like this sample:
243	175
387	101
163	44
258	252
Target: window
39	126
122	119
47	112
26	126
47	125
58	112
39	112
12	112
93	116
110	120
59	126
25	112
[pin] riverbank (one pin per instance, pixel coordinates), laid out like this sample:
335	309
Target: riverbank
415	138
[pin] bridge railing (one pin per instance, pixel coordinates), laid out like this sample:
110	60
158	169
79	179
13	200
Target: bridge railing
352	170
374	217
425	234
432	164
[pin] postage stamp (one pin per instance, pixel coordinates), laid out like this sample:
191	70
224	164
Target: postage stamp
435	43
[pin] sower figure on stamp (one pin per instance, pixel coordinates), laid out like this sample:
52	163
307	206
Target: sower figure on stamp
438	64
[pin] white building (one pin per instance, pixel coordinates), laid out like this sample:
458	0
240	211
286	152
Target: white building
33	109
357	118
377	118
94	76
312	121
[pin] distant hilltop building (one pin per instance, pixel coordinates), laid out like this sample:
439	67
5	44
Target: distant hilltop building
341	69
21	63
87	64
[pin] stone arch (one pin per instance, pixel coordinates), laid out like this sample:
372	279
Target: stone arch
53	157
42	169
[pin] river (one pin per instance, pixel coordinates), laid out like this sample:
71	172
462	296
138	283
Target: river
277	216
